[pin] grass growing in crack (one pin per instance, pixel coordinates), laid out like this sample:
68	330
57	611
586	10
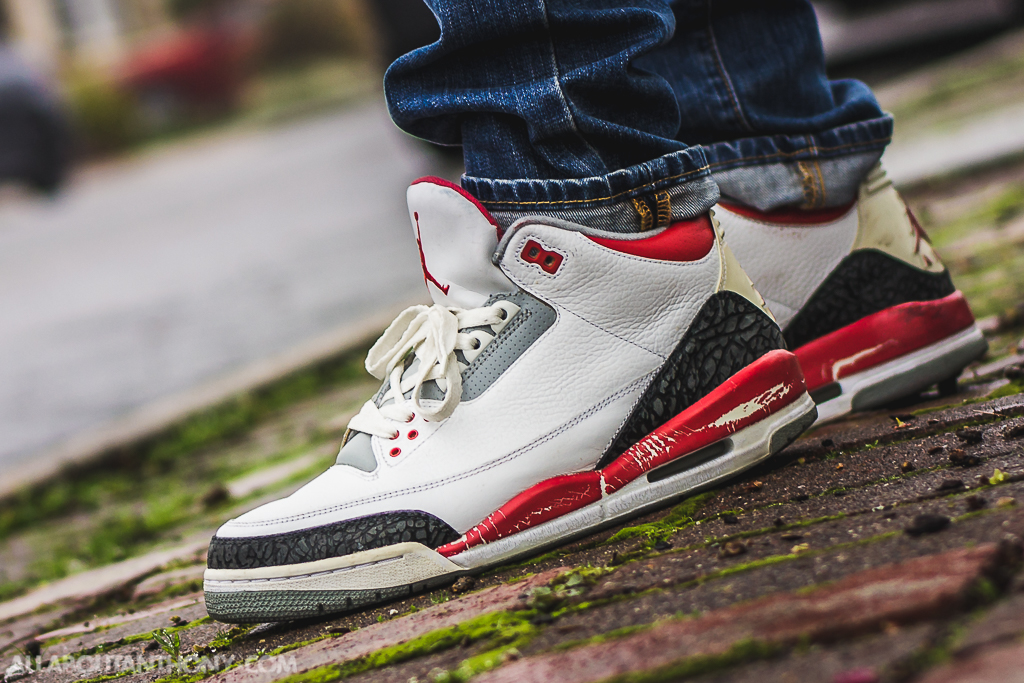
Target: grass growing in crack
679	517
502	631
563	588
168	642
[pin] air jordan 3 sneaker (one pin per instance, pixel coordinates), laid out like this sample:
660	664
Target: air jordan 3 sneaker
564	379
863	300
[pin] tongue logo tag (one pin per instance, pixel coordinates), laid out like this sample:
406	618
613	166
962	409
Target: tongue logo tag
549	261
427	277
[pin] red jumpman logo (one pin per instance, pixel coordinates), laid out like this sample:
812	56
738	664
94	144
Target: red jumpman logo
427	277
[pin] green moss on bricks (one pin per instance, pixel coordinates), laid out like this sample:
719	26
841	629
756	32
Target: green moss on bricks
691	667
503	630
679	517
605	637
83	488
564	587
1012	389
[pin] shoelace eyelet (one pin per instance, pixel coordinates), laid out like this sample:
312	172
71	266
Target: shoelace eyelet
395	452
411	418
476	344
413	434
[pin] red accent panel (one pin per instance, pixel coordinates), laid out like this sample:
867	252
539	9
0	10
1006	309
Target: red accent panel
790	216
434	180
762	388
549	261
881	337
682	241
536	505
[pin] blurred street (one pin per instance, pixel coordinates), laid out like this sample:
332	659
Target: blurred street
151	275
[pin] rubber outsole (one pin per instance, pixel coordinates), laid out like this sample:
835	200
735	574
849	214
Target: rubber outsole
250	607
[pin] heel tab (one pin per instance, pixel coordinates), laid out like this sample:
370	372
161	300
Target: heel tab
435	181
886	224
732	277
875	181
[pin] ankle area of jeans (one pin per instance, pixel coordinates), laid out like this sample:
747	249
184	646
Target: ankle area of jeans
814	171
673	187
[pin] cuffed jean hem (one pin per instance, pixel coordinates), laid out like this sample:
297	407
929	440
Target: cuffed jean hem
669	170
818	170
614	202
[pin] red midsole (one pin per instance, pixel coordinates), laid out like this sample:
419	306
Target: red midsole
881	337
764	387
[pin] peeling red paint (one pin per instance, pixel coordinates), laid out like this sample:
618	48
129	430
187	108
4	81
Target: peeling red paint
767	385
538	504
762	388
872	340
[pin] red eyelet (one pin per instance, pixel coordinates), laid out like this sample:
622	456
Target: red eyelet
397	434
395	452
411	418
413	434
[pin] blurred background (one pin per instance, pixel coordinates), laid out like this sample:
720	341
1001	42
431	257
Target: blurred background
195	192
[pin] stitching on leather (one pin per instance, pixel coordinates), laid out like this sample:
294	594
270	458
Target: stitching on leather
632	258
483	468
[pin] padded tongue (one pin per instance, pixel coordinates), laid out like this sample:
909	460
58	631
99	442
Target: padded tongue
456	238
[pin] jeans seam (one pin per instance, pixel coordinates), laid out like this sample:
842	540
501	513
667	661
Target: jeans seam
724	75
558	82
701	170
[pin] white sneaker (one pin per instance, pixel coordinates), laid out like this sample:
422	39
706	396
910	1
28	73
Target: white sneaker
564	379
865	302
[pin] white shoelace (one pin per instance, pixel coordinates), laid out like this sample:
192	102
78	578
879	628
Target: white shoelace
433	334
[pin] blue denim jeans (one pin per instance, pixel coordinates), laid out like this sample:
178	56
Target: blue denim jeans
580	106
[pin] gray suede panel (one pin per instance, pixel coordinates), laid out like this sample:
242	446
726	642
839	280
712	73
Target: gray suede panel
358	452
532	320
526	326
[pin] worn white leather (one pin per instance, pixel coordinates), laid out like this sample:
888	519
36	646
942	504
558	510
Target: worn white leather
554	411
641	301
787	263
885	225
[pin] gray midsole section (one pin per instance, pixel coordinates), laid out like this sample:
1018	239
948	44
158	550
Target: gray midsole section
248	607
921	377
791	432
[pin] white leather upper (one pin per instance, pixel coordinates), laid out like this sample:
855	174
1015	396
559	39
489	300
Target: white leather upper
553	411
788	263
457	241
